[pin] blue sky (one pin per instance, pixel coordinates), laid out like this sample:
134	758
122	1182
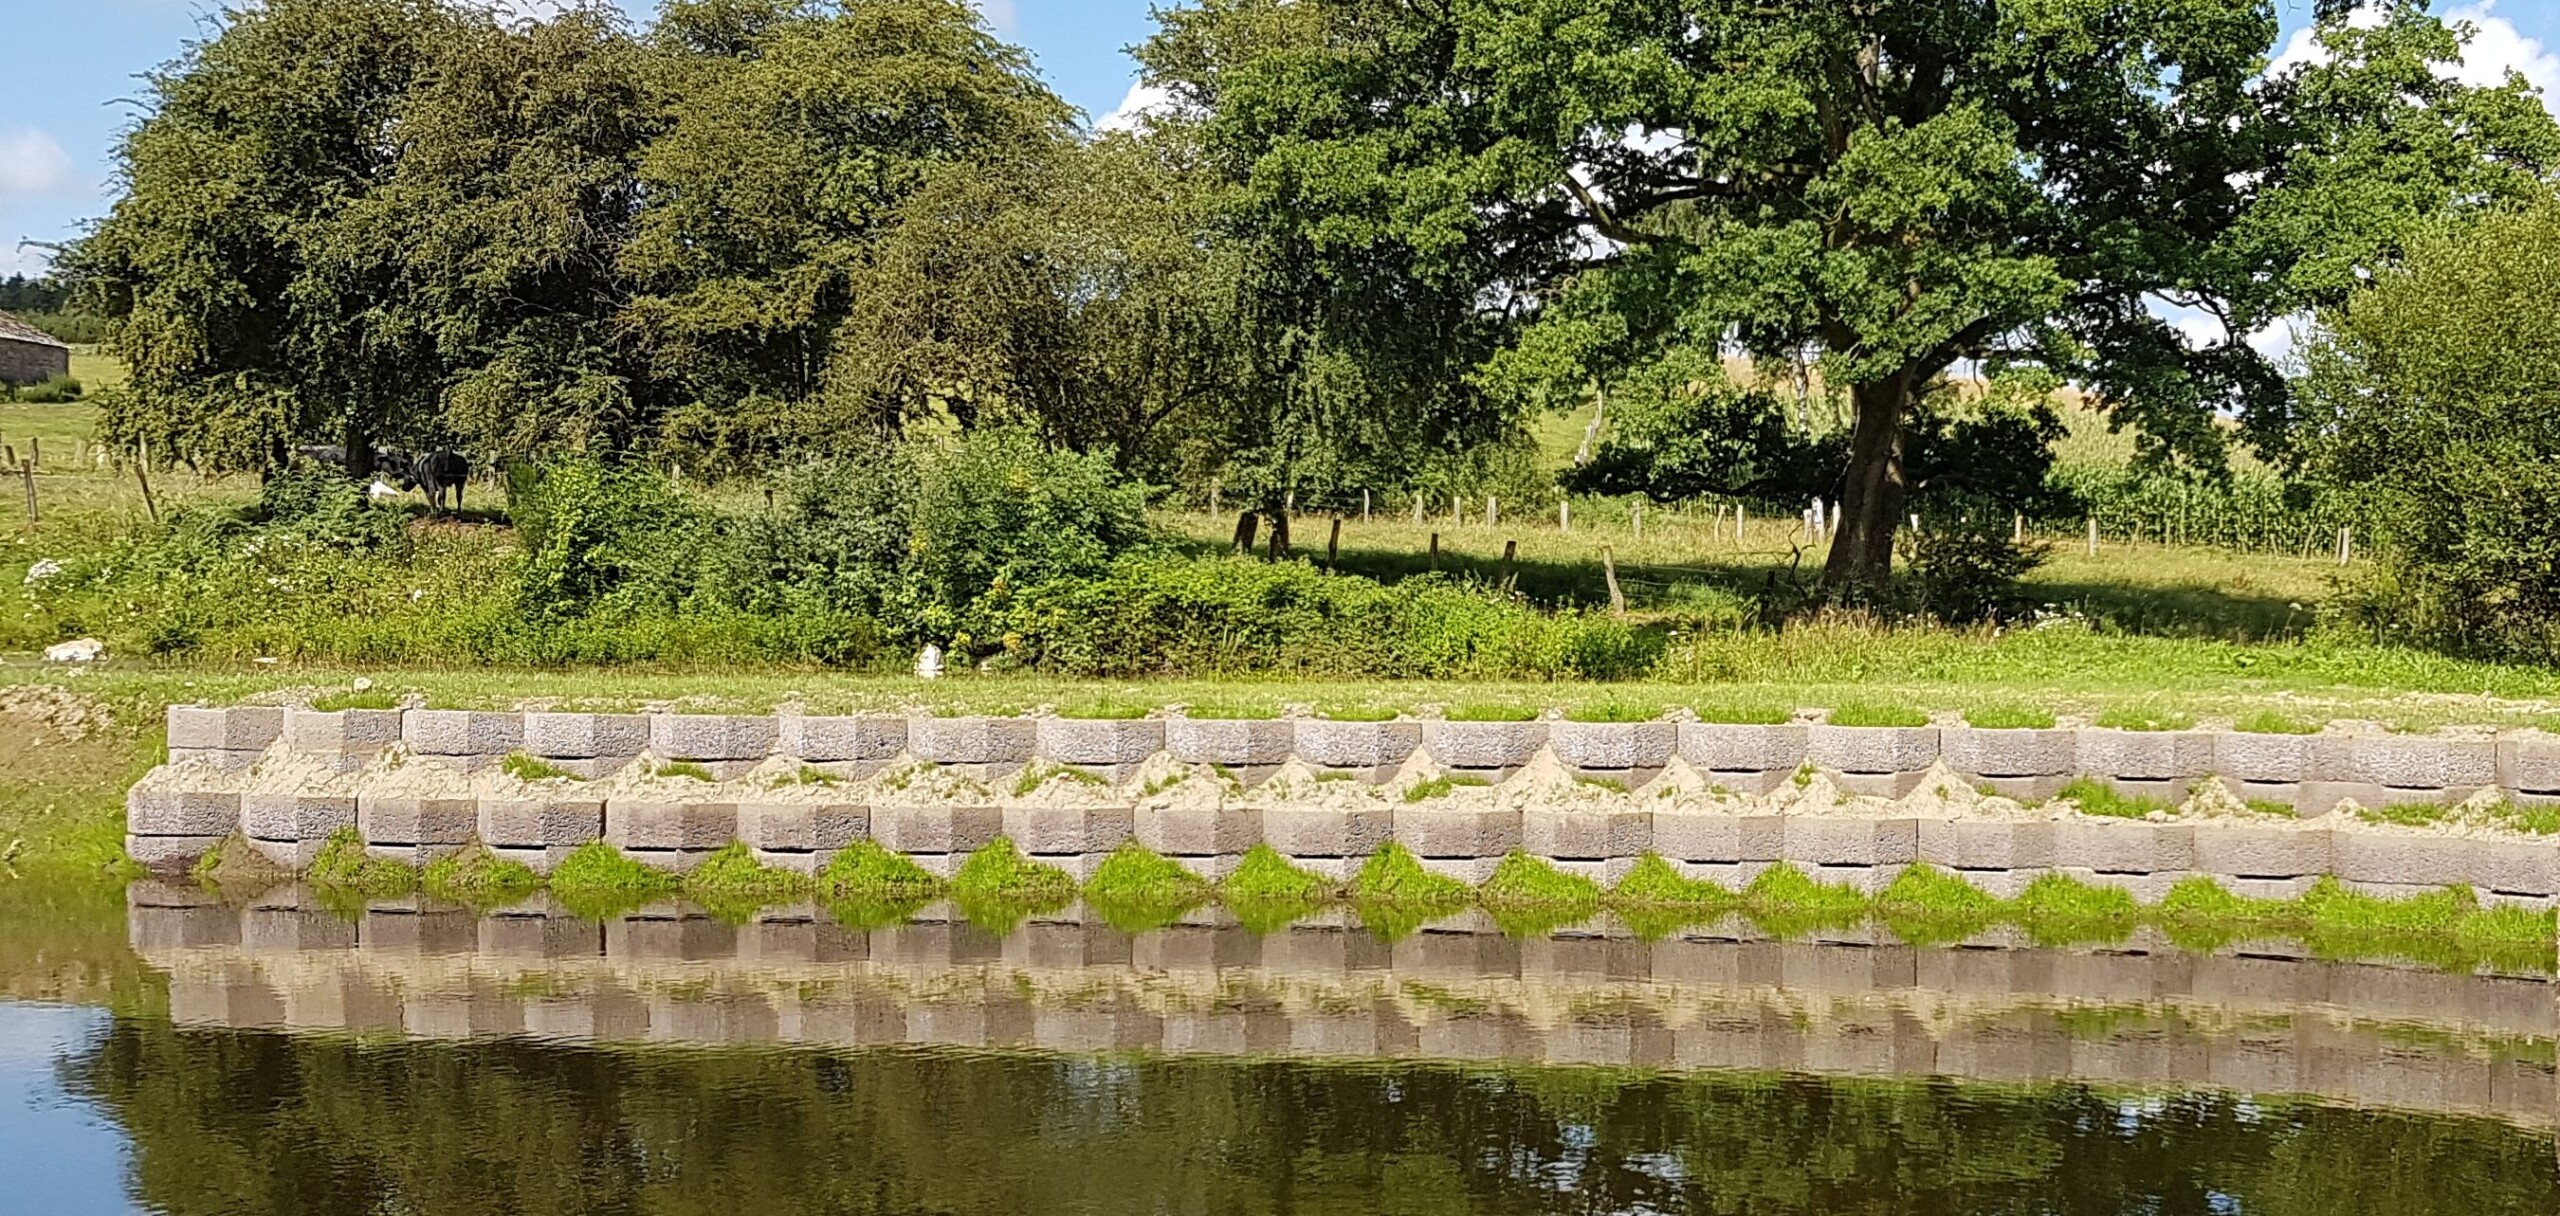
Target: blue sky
70	61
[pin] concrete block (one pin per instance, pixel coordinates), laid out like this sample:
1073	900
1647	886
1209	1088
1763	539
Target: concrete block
242	728
168	854
296	855
1824	840
1472	871
712	736
1969	844
2027	791
2255	852
1098	742
2395	860
1724	747
392	820
1068	829
295	816
2270	759
418	856
293	931
802	826
2123	846
541	859
1976	752
2317	798
1877	785
988	741
540	823
1613	745
1329	744
1436	832
855	739
2516	867
2412	761
458	732
923	830
633	824
1697	837
554	736
2145	755
2530	765
1580	835
1483	745
1871	749
341	732
1305	832
161	811
1178	831
1234	742
213	758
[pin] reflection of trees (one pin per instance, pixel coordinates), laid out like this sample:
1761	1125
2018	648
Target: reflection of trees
226	1121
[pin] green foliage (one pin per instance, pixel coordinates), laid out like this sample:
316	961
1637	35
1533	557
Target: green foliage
52	390
1441	786
1394	876
2008	717
523	767
1684	430
732	884
595	534
866	869
687	770
597	880
1745	714
2427	395
477	876
1137	889
1162	615
343	865
2274	722
1000	871
2144	717
1965	570
2096	797
1866	713
1034	776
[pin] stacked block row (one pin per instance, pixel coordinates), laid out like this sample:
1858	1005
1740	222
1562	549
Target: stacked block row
2269	1025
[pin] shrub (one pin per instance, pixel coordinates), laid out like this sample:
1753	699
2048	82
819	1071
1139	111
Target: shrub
592	532
52	390
1965	569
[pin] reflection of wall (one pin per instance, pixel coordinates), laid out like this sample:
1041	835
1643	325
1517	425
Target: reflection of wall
2373	1035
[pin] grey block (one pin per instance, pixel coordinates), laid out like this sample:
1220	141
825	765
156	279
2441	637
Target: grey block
296	855
1695	837
1735	747
2530	765
802	826
1067	830
1329	744
540	823
1236	742
1197	831
2396	860
384	820
2145	755
2317	798
854	739
712	736
1323	832
2248	852
1432	832
165	854
213	758
633	824
160	811
457	732
542	860
1872	749
295	817
241	728
2272	759
2414	761
1561	834
345	731
1823	840
1877	785
1483	745
1977	752
1099	741
1613	745
2516	867
2123	846
556	736
928	830
1969	844
989	741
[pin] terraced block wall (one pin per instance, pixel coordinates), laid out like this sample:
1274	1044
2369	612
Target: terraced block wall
287	779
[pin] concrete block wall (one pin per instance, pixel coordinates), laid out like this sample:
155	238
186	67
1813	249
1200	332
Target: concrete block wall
170	825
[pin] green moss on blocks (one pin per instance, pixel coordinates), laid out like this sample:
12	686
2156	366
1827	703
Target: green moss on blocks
1396	896
1786	901
596	880
1530	896
343	865
478	877
731	884
2058	910
867	871
233	863
1136	889
998	888
1266	892
1929	906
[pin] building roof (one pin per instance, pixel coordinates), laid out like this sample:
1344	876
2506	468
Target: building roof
15	330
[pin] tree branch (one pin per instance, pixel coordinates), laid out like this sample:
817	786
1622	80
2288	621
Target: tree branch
1607	224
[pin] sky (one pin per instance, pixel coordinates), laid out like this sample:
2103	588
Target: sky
71	67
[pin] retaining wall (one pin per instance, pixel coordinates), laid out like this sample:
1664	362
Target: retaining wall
175	816
2368	1034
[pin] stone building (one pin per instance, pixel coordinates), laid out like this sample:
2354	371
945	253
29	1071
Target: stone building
28	354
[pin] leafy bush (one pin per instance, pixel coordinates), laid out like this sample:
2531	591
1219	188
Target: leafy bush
593	531
52	390
997	511
1688	432
1963	572
1153	614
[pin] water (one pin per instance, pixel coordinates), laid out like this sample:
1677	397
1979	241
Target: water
279	1057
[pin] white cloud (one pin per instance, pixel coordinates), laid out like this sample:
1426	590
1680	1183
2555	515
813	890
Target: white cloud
32	163
29	261
999	14
1142	99
2496	47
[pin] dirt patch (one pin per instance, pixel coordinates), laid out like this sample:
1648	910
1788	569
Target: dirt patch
52	708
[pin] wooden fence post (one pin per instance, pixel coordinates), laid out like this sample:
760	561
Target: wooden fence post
1638	513
1609	571
1333	545
142	473
2093	536
1435	550
1364	506
27	473
1492	512
1564	515
1510	552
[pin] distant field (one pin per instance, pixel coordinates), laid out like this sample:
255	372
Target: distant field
95	371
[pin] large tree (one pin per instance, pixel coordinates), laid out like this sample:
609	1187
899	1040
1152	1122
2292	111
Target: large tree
1892	186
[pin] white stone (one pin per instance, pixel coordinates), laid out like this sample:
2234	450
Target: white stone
82	650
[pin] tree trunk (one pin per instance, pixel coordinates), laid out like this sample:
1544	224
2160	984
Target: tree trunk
359	451
1871	505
